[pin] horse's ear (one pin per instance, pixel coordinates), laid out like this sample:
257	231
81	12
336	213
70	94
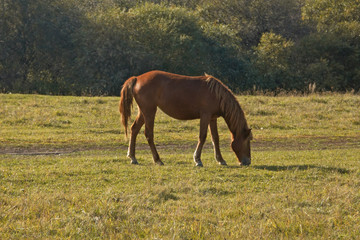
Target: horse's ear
251	135
248	134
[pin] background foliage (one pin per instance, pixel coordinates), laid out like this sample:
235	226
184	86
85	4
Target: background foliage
91	47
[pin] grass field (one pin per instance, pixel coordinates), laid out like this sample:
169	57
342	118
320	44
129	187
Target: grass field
64	173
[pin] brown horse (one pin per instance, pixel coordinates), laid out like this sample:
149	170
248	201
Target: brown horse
185	98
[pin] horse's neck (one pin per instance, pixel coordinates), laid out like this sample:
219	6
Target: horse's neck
235	127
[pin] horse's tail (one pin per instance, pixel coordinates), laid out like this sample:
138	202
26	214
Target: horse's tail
126	100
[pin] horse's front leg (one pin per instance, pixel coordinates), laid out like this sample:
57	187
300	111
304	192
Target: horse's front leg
215	140
204	121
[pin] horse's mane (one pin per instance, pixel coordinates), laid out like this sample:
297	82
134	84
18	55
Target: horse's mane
233	114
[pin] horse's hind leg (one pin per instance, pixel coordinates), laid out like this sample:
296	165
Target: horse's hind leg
135	128
215	140
149	134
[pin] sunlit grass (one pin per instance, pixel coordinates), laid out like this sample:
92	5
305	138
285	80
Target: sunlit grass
64	173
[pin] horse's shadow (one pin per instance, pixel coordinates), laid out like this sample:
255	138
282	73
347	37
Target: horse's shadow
305	167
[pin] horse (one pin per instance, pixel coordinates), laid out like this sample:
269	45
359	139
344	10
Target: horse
185	98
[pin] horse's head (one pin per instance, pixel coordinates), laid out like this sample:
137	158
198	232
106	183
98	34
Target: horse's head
241	146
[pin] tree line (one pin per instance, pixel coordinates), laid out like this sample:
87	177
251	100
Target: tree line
91	47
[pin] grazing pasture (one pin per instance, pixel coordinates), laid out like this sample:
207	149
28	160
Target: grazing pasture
64	172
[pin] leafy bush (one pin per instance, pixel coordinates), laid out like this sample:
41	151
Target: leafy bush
92	47
149	37
272	62
328	61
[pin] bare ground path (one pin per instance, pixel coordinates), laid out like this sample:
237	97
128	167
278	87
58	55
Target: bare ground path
278	144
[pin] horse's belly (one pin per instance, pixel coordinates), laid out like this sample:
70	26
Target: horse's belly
180	111
187	108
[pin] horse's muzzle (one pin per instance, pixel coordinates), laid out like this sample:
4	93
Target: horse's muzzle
245	161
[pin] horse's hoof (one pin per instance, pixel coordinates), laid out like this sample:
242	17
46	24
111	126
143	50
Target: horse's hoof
199	164
245	161
160	163
223	163
134	162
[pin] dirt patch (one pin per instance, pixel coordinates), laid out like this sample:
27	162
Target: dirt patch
277	144
48	150
36	153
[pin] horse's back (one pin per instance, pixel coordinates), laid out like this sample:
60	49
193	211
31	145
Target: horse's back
181	97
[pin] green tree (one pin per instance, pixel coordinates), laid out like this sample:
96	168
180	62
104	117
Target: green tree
252	18
340	17
328	61
118	43
36	45
333	58
272	62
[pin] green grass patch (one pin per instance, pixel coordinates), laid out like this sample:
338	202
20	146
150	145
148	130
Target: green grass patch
64	173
